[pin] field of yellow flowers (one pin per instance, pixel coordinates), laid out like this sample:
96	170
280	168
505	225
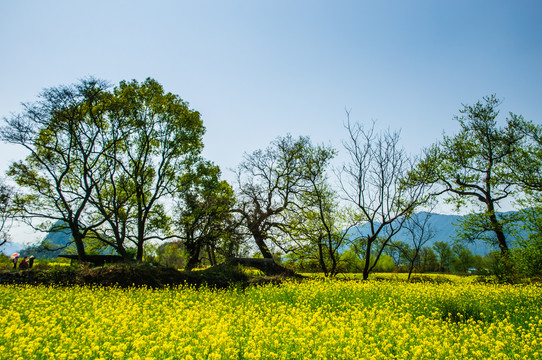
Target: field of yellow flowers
315	319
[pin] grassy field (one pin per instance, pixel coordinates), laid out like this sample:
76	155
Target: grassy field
315	319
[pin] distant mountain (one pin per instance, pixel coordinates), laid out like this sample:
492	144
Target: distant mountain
53	244
52	240
10	248
56	243
445	227
59	237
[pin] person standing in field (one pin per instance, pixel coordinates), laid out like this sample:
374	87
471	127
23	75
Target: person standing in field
31	261
24	263
15	259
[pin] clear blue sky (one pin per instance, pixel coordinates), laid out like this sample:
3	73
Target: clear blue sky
261	69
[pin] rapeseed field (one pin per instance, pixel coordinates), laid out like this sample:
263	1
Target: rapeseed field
316	319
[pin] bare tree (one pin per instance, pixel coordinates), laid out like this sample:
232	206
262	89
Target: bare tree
267	183
420	232
373	182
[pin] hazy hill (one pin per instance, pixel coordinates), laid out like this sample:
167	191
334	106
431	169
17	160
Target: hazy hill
445	227
54	244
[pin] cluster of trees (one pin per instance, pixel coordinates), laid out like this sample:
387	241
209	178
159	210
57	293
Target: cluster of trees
402	258
105	164
123	167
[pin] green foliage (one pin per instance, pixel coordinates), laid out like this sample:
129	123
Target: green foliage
351	262
385	264
479	227
475	166
527	254
5	262
463	259
445	254
104	162
171	255
428	260
203	215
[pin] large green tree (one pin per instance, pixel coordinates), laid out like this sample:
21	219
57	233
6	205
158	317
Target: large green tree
203	215
474	167
527	224
445	255
103	163
161	136
63	134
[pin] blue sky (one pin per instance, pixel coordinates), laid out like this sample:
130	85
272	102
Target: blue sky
261	69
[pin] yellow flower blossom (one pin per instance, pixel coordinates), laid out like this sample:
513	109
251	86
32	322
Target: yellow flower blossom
317	319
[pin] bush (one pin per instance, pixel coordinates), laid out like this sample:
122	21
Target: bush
5	262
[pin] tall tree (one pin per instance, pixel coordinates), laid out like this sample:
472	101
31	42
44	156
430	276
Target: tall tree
268	182
103	163
63	133
112	198
474	166
526	224
318	226
164	137
203	211
373	182
463	260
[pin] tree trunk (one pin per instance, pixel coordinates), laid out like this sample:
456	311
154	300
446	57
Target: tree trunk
78	240
260	241
191	263
193	248
367	258
410	269
122	251
333	270
501	240
140	239
211	254
323	266
412	262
